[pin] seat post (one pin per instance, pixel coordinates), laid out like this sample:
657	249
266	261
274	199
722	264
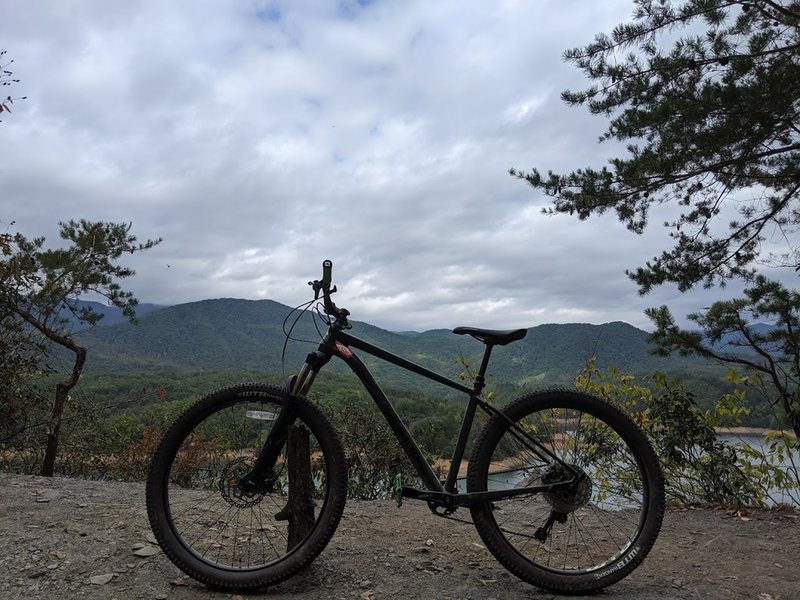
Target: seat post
480	380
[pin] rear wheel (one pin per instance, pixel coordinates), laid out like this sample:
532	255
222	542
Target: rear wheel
229	536
580	536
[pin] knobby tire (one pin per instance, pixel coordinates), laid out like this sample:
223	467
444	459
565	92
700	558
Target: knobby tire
202	521
581	538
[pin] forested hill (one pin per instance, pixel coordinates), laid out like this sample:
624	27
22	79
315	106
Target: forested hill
110	314
223	334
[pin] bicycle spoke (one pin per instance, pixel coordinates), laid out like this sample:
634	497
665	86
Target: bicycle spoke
592	517
209	512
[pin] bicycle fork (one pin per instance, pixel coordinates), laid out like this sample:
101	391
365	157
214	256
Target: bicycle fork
261	477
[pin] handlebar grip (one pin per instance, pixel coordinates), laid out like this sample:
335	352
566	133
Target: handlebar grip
327	272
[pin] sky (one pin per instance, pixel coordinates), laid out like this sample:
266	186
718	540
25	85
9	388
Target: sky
259	138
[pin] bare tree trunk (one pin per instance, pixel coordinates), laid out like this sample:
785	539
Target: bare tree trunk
791	407
62	393
299	509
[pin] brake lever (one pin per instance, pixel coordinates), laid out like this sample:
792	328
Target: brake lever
317	285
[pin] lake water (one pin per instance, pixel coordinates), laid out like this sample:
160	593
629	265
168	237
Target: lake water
757	441
754	440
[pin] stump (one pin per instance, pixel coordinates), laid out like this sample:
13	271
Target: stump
299	509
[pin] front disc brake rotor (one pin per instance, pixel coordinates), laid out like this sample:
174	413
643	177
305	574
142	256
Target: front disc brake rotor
229	485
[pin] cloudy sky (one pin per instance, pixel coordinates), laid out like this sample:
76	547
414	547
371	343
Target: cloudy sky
259	138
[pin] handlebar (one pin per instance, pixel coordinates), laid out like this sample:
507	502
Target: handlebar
327	272
324	286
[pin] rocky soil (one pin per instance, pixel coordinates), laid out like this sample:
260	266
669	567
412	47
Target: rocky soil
67	538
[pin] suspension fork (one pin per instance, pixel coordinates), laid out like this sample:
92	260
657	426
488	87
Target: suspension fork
261	477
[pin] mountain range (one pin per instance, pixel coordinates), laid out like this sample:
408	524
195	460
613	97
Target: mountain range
233	334
111	314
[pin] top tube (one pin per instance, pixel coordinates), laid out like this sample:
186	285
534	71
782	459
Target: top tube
355	342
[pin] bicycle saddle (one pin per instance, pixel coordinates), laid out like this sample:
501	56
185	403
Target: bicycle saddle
494	337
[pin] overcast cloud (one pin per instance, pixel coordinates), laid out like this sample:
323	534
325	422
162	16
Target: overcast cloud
259	138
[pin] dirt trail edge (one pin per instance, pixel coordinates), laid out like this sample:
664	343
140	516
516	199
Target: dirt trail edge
68	538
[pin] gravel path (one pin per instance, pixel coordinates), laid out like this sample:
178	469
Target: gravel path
67	538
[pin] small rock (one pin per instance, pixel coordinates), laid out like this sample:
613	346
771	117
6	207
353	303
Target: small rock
101	579
365	584
146	551
151	538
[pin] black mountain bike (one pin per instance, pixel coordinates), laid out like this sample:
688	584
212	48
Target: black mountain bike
247	486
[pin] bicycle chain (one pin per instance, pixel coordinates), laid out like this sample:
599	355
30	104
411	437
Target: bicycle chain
448	515
472	523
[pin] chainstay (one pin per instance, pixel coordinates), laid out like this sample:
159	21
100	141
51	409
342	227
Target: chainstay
450	517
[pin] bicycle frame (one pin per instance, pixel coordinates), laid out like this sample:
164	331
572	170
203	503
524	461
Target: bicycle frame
340	343
253	510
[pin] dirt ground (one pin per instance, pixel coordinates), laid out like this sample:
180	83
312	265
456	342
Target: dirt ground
67	538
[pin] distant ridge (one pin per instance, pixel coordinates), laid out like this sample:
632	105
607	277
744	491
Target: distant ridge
111	314
226	333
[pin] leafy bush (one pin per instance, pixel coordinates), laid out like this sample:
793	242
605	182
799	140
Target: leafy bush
773	468
698	466
373	455
98	440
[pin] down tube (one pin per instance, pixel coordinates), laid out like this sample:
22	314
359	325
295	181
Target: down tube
393	419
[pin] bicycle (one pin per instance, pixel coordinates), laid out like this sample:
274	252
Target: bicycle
247	486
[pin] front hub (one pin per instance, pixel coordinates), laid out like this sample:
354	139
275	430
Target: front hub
232	492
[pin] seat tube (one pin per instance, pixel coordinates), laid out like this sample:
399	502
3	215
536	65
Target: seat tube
466	424
461	444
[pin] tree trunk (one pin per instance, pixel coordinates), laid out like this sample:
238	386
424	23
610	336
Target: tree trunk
62	393
299	509
792	414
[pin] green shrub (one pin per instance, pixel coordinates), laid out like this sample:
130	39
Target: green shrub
698	466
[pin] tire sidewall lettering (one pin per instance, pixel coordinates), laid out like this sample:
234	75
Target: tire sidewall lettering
620	565
252	394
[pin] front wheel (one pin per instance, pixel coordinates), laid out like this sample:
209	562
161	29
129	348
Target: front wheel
225	534
604	512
